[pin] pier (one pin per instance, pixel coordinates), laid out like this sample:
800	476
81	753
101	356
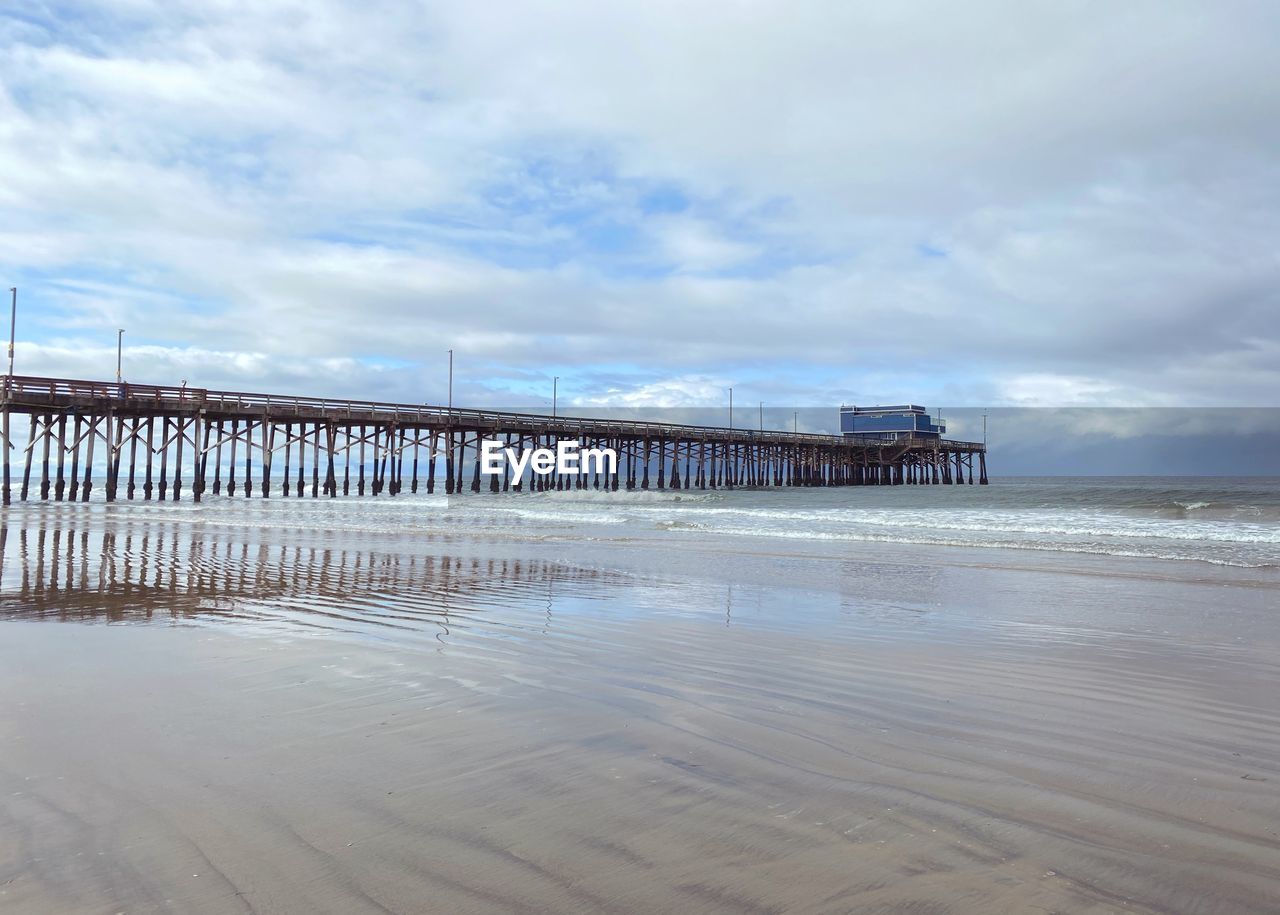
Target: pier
166	443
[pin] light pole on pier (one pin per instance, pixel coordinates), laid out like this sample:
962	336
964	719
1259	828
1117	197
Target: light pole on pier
119	354
762	416
450	382
795	423
13	325
555	384
984	430
731	409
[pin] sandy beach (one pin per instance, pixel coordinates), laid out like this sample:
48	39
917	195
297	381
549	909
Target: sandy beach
741	458
205	718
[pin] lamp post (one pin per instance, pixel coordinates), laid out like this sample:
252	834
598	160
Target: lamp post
984	430
13	325
762	416
555	384
731	409
119	354
451	383
795	423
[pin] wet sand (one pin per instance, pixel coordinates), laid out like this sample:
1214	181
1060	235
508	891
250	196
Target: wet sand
205	719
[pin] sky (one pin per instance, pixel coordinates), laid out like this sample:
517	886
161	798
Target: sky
1002	205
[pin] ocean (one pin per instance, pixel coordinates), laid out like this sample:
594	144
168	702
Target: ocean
1233	522
1226	521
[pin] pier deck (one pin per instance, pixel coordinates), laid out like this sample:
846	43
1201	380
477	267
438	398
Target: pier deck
167	431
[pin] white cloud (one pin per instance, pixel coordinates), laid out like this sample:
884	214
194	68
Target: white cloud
314	185
681	391
1046	390
692	246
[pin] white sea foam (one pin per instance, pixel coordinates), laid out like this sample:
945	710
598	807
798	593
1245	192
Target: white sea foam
924	539
1088	518
1234	523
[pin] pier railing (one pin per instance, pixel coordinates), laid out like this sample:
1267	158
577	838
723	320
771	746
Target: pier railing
133	397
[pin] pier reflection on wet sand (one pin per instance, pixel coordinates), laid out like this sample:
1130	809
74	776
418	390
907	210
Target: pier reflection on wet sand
151	571
411	723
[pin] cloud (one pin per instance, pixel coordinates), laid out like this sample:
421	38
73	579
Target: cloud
998	204
682	391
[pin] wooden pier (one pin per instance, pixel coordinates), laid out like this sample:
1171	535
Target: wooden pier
152	442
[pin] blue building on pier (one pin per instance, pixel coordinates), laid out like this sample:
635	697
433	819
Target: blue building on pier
892	422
